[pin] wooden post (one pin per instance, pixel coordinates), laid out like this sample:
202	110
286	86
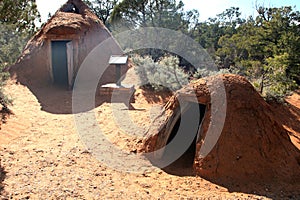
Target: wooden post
118	75
118	61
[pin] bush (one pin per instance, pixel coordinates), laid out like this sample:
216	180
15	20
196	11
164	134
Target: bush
275	83
204	72
165	74
11	44
4	100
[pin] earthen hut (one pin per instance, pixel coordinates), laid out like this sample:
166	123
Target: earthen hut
55	53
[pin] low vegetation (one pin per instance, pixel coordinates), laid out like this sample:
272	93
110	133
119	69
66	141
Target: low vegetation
17	24
165	74
264	48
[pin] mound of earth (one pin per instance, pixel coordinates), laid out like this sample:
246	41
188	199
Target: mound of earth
252	145
43	157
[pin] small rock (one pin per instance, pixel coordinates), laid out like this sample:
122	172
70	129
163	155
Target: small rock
85	152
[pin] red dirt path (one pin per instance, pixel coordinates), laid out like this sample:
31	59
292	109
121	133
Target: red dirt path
42	156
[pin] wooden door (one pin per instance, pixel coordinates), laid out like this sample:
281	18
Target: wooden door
59	62
70	63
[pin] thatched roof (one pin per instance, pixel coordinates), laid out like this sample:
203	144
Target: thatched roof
71	22
65	23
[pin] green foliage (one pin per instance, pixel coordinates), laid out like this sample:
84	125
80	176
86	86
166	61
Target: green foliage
21	13
277	82
203	72
11	44
209	32
151	13
265	50
164	74
103	9
17	23
4	100
134	14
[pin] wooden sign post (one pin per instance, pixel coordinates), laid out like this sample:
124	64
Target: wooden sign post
118	61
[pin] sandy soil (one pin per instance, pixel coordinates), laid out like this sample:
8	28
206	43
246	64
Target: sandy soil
42	156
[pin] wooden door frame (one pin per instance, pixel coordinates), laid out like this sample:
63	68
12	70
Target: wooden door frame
75	57
70	63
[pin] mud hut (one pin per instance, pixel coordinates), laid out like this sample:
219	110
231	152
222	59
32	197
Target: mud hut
251	144
54	54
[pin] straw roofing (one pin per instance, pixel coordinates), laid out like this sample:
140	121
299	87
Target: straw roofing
82	27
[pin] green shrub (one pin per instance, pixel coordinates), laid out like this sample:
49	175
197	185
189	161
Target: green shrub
11	45
4	100
205	72
165	74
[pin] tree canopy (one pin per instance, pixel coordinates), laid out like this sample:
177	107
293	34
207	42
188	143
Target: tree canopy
17	23
103	9
265	49
155	13
21	13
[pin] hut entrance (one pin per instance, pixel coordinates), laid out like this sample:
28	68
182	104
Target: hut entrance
186	131
62	62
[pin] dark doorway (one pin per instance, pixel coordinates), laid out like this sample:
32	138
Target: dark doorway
183	166
59	62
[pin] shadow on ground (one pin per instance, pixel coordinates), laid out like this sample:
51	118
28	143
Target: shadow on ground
288	115
156	97
274	190
2	178
5	113
57	99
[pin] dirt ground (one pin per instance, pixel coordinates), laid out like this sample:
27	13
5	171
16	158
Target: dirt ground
43	157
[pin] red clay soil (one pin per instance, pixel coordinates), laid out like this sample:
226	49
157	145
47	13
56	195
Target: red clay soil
288	114
42	156
254	146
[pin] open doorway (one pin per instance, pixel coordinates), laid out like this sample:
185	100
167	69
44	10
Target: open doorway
189	124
